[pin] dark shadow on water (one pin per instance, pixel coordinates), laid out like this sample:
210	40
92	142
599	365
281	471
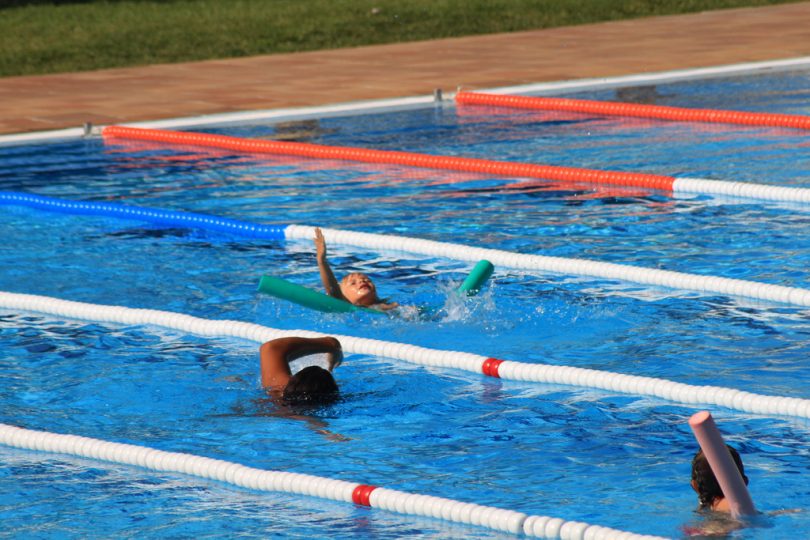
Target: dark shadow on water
313	415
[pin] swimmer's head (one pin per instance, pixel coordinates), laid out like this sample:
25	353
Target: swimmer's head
705	483
313	385
358	289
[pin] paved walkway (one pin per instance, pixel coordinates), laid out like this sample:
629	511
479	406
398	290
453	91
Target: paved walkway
409	69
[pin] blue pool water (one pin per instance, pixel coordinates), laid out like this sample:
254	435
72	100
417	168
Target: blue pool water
615	460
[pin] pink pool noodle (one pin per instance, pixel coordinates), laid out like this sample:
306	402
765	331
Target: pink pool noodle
722	464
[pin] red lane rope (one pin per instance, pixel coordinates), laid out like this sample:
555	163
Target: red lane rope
612	108
484	166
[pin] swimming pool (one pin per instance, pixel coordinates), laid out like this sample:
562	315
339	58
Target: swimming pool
615	460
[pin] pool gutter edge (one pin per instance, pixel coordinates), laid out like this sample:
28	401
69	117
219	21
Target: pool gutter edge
397	104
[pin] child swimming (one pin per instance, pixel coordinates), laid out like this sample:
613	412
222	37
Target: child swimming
355	288
705	484
311	384
293	396
718	519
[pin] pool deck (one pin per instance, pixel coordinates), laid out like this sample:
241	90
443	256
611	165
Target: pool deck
48	102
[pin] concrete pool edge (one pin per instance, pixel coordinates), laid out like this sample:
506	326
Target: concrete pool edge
417	102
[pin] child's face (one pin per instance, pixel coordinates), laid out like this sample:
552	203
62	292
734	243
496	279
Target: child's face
358	289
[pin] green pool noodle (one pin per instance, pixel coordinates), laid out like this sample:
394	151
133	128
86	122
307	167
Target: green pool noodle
476	278
306	297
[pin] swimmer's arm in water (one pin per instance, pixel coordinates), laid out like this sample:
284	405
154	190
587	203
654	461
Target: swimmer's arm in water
276	355
330	283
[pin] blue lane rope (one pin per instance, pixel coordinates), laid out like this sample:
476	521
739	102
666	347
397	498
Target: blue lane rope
559	265
152	215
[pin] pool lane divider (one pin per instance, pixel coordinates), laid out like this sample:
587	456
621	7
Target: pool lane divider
151	215
689	395
561	265
664	183
503	259
304	484
638	110
391	157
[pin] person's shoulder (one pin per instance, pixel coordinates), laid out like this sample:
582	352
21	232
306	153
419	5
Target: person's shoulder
384	305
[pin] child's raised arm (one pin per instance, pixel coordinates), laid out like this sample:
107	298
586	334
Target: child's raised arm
328	279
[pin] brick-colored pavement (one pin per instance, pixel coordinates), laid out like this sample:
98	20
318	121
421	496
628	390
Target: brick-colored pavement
409	69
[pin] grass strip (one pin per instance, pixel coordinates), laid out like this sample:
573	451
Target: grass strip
38	37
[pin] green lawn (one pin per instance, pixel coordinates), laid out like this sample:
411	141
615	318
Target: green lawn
49	37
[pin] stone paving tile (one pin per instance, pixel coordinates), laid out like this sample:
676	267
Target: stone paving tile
405	69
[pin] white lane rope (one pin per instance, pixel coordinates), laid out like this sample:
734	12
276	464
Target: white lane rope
508	370
314	486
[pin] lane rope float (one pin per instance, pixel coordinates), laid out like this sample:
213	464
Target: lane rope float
562	265
390	157
313	486
151	215
484	166
637	110
503	259
686	394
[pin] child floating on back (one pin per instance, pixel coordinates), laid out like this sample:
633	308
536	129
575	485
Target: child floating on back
355	288
356	291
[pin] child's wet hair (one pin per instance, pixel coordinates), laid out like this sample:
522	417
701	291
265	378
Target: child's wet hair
708	489
312	385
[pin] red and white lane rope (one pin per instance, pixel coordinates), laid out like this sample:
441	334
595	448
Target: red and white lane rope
305	484
562	265
484	166
505	369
